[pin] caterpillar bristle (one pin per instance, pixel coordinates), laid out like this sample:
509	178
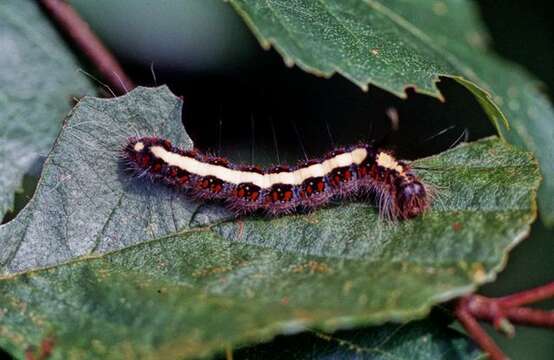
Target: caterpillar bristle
343	173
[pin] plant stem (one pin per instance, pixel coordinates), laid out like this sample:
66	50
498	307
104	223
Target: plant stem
475	330
81	34
528	296
531	317
502	312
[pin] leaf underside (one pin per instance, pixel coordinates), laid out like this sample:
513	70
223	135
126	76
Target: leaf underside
38	81
418	340
396	44
136	268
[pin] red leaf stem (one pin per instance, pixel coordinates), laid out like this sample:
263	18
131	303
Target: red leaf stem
83	37
502	312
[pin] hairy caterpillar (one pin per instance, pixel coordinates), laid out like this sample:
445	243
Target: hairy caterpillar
282	189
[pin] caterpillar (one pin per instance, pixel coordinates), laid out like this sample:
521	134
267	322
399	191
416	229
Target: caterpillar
245	189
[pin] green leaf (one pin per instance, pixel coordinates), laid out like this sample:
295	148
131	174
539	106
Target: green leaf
136	268
38	79
397	44
416	340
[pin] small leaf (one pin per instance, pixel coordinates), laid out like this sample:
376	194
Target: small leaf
397	44
180	278
38	79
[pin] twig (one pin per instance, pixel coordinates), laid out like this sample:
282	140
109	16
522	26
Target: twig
81	34
476	331
502	313
529	296
531	317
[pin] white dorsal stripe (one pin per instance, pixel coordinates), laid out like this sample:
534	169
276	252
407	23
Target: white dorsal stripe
264	181
138	146
387	161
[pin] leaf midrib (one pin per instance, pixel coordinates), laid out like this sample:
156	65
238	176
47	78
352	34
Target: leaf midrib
207	228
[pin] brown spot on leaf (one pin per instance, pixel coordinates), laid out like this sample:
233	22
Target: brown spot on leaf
311	266
457	226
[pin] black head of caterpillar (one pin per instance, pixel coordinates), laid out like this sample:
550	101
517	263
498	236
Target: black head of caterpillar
412	197
278	190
